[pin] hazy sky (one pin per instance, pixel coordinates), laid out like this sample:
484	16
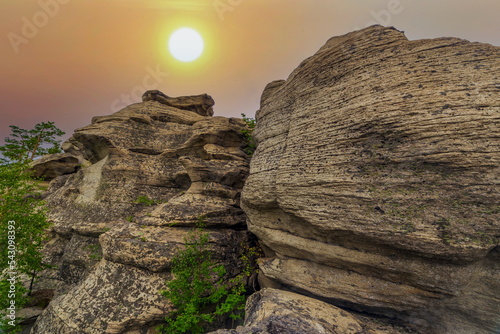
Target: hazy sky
69	60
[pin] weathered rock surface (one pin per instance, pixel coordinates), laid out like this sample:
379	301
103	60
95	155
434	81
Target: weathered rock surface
376	182
201	104
150	172
271	311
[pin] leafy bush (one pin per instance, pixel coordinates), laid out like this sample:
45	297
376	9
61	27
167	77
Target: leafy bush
198	291
23	225
251	144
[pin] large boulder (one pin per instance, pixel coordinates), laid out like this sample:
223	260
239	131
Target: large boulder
150	172
272	311
376	182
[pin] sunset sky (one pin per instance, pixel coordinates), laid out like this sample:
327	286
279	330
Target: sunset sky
69	60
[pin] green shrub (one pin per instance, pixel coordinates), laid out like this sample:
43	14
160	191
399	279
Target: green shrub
198	291
251	144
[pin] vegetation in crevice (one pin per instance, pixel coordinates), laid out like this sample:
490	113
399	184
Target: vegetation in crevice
145	200
199	292
250	143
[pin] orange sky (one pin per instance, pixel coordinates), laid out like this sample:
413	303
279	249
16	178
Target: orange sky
69	60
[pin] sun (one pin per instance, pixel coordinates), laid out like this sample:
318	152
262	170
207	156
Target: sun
186	44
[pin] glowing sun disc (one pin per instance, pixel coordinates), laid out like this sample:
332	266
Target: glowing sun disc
186	44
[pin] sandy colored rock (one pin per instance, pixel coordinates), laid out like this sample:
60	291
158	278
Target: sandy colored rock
113	298
271	311
150	173
201	104
153	248
375	184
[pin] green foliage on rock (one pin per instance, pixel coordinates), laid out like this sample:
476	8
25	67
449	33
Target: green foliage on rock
145	200
26	145
23	225
198	291
251	144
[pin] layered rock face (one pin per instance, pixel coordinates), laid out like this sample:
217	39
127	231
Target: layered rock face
376	182
145	175
271	311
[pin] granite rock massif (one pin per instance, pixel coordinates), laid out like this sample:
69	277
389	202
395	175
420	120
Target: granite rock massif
376	182
374	193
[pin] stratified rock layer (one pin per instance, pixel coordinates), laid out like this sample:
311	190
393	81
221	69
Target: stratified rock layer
271	311
200	104
375	185
146	175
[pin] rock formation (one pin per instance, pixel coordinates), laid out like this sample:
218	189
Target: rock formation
374	192
271	311
376	182
147	173
200	104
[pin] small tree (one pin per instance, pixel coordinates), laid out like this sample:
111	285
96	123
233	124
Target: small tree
26	145
23	225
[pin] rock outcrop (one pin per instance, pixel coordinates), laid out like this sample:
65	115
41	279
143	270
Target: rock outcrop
200	104
271	311
147	174
376	182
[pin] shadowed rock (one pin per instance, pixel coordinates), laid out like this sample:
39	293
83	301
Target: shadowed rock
52	166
